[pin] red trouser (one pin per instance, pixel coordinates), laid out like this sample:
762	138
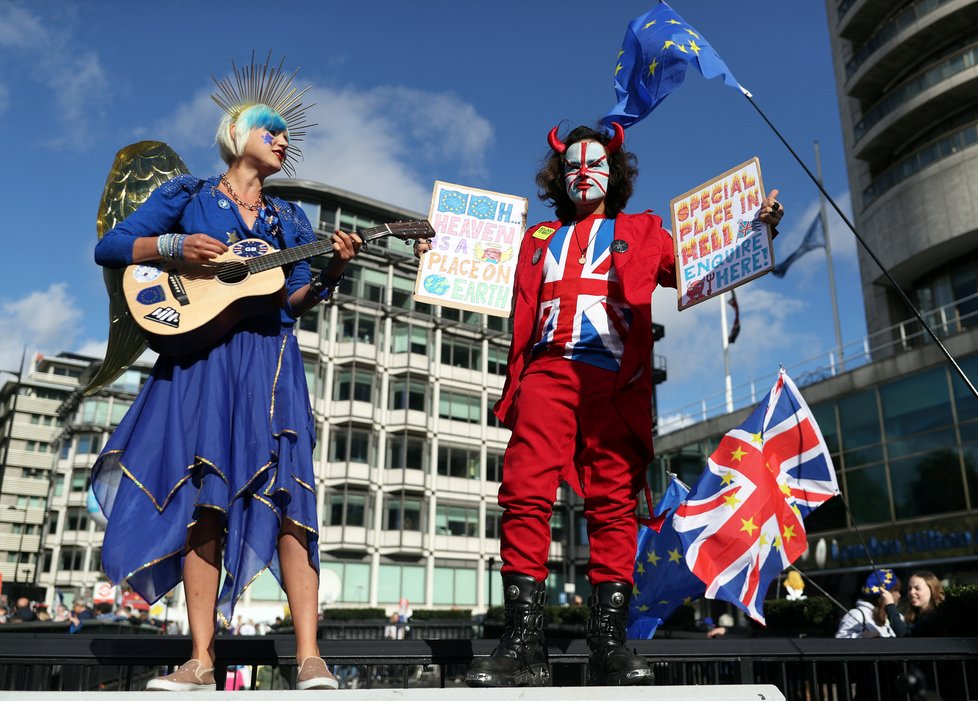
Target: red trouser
566	414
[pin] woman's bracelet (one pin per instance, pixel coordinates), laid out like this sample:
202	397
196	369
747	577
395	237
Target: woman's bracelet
324	287
170	246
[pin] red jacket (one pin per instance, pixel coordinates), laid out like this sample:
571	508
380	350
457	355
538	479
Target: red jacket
648	261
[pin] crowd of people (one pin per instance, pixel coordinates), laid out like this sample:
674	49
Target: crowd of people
23	610
881	611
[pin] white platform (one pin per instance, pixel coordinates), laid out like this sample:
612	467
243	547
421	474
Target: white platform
744	692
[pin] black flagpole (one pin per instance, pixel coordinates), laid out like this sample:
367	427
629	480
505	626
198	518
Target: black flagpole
868	250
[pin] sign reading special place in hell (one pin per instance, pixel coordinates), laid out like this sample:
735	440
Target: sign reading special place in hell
720	242
473	254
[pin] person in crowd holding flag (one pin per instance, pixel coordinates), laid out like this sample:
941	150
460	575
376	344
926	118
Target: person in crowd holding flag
578	399
923	618
868	618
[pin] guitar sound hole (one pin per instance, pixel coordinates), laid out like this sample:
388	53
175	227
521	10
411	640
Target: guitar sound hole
232	272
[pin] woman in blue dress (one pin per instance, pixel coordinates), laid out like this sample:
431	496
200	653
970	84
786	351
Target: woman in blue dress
216	452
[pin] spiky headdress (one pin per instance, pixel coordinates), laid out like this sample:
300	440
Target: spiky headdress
257	84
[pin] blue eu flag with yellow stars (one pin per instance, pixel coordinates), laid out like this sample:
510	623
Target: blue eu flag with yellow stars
663	582
652	62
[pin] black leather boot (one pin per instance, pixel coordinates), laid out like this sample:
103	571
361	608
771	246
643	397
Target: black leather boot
611	663
520	659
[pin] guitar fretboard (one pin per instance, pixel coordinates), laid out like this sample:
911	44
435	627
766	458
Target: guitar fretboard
309	250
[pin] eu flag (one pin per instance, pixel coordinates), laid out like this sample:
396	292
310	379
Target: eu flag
663	581
657	48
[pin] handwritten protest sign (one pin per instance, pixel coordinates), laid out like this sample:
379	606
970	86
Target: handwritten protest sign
720	242
473	254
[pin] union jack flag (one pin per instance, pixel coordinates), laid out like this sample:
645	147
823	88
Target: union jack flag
582	309
742	522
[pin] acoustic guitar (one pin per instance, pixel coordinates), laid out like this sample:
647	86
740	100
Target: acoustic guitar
186	307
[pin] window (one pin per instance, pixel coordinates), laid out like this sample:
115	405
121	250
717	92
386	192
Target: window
119	409
455	461
88	444
405	451
31	502
37	447
95	411
349	444
355	579
457	520
374	286
406	393
52	523
493	518
355	384
402	291
129	381
459	407
496	358
72	559
397	581
494	466
40	420
309	368
558	533
403	513
346	509
79	480
460	353
356	326
76	519
491	419
454	584
407	338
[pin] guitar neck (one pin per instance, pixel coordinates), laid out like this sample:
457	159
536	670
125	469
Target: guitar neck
309	250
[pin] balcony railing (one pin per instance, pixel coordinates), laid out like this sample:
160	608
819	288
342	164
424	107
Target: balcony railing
815	669
956	317
901	20
927	78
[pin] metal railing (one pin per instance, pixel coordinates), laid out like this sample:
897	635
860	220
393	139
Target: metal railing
948	320
814	669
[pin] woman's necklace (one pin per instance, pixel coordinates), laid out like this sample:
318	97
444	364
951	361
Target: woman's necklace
258	204
583	259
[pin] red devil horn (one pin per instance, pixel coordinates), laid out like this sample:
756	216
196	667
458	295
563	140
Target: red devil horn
617	140
555	143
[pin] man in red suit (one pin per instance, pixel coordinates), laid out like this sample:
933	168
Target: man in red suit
578	398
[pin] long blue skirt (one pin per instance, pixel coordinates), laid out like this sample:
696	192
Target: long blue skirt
230	429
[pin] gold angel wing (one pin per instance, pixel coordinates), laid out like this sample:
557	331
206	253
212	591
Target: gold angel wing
138	169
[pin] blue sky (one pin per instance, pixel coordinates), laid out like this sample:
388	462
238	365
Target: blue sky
408	93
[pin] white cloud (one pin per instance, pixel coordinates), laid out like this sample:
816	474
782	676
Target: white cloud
48	54
47	321
385	142
18	28
389	143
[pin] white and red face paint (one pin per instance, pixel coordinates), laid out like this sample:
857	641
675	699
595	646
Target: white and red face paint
586	171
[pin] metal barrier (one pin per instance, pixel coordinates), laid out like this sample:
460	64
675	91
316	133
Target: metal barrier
805	669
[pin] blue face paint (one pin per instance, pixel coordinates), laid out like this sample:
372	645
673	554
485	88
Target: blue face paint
267	138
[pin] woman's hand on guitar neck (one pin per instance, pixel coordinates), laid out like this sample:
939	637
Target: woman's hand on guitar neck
200	248
345	246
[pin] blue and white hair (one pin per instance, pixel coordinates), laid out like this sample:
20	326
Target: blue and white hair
253	117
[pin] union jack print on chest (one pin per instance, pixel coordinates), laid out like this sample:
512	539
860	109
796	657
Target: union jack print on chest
582	310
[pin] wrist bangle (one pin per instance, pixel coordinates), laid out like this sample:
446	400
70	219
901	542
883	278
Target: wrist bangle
323	286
